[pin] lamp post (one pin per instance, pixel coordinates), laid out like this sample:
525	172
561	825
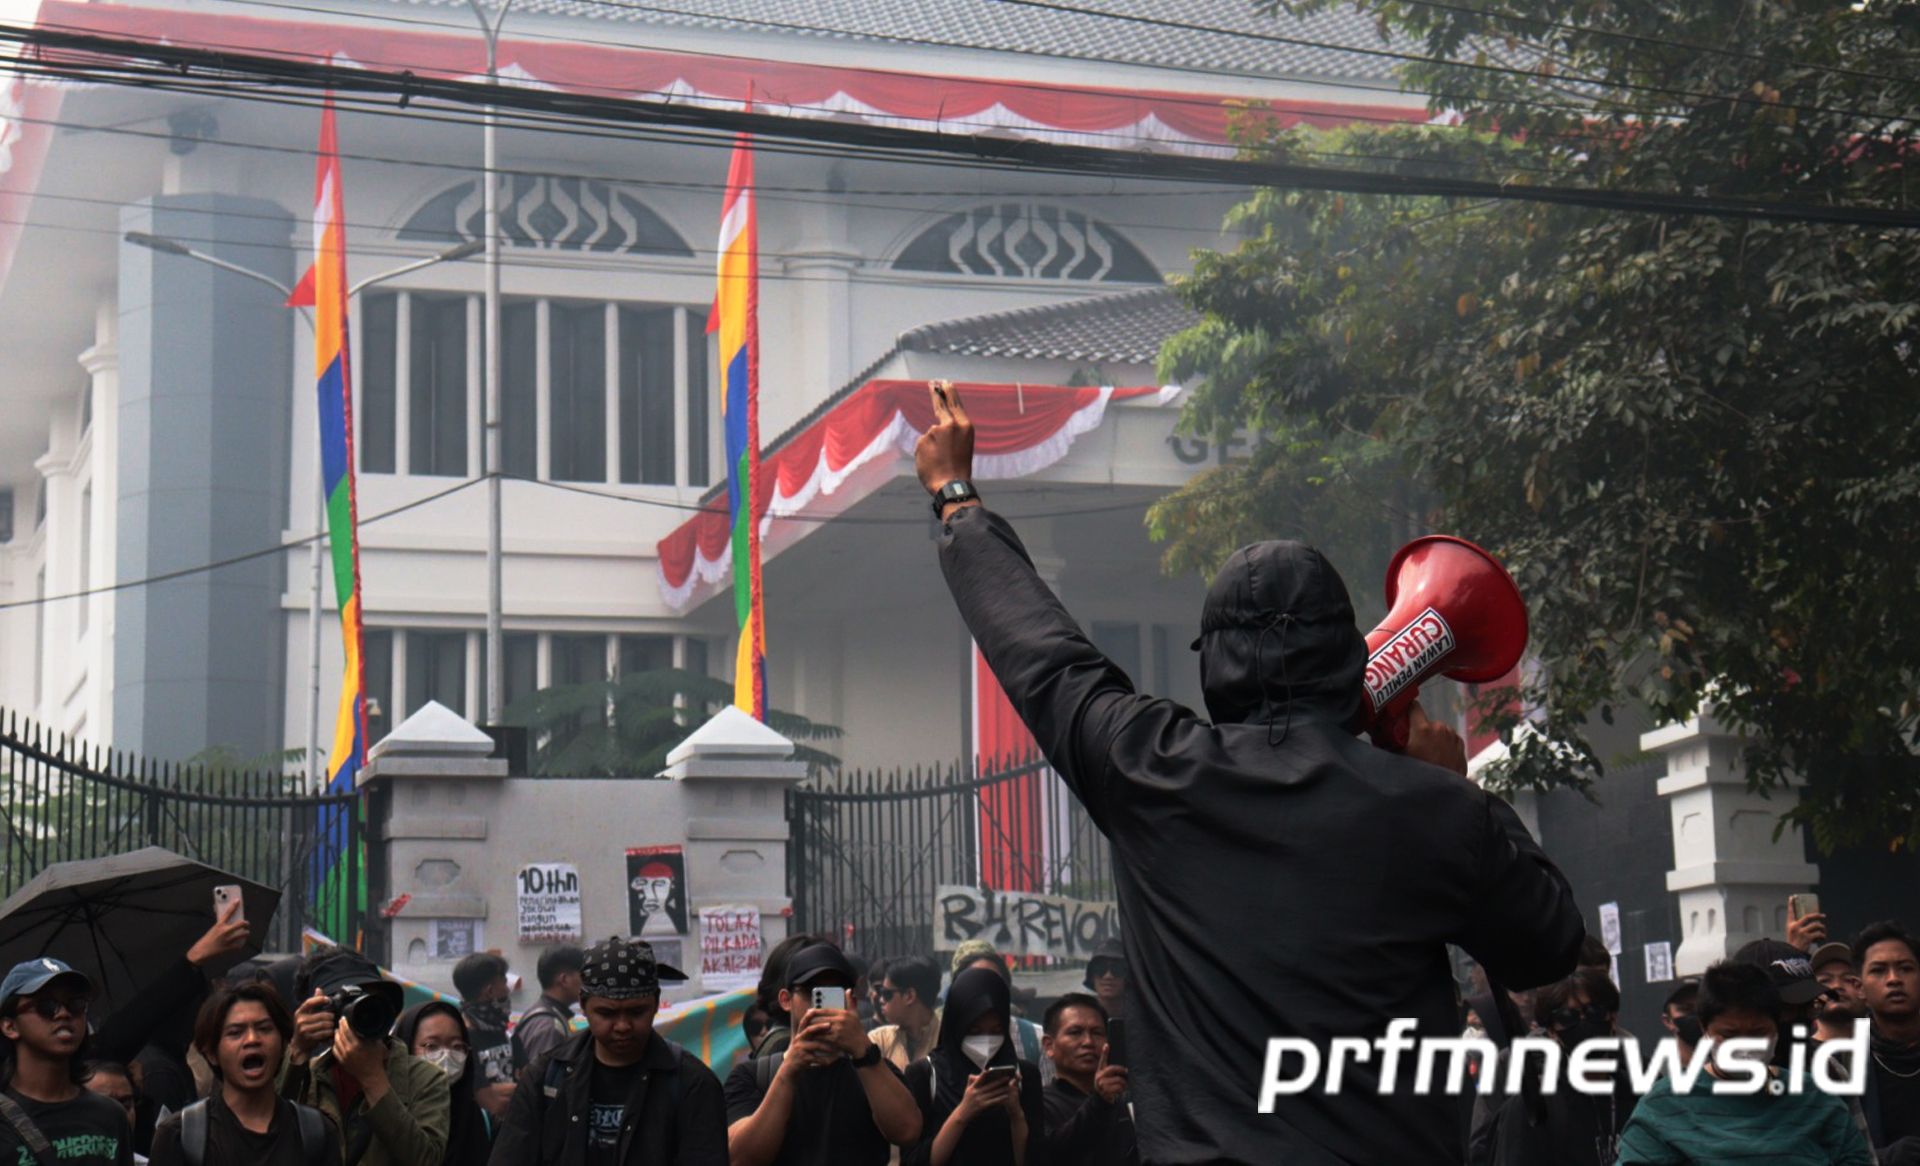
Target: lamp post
490	205
166	246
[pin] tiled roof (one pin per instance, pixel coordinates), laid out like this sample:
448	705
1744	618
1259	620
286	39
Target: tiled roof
1103	35
1122	329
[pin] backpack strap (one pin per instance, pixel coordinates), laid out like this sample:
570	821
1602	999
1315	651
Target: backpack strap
193	1133
763	1070
30	1135
313	1135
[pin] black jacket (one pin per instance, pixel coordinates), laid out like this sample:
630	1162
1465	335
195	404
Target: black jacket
666	1125
1087	1130
1277	876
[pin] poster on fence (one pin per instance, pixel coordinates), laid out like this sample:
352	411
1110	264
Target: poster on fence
656	890
548	898
453	939
729	948
1021	923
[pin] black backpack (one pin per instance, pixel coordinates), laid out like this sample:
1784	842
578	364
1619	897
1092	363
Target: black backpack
311	1123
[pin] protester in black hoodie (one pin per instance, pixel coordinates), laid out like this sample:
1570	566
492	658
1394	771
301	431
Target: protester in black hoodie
436	1032
1278	876
965	1120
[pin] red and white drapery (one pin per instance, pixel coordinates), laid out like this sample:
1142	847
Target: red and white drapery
1018	430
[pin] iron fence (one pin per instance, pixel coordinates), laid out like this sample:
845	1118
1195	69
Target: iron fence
62	800
865	857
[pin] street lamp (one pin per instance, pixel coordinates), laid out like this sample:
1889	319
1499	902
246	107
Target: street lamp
166	246
490	203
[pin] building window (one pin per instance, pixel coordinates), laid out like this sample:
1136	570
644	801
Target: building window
521	658
1120	643
376	682
577	396
379	326
437	669
561	418
640	654
1027	241
437	386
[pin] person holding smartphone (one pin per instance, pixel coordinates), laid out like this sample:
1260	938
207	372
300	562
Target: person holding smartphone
980	1105
830	1099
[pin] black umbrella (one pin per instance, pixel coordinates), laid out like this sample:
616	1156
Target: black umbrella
124	918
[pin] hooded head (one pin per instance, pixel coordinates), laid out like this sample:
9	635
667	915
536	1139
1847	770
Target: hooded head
1277	639
974	993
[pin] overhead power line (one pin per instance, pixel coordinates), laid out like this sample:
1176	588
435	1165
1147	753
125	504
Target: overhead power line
707	126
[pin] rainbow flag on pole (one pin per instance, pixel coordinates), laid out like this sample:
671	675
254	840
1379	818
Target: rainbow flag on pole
736	317
325	289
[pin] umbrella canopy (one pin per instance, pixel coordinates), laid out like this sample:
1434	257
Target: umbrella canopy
124	918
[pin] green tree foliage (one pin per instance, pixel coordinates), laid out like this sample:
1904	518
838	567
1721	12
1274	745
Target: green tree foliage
1693	439
626	726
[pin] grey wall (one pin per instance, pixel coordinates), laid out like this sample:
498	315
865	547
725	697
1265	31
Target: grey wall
204	400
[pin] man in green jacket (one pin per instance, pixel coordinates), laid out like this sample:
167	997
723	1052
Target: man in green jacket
390	1107
1701	1127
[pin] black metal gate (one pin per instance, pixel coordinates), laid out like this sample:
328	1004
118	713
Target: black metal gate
62	800
864	858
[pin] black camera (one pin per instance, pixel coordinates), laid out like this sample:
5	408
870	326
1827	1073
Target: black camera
367	1009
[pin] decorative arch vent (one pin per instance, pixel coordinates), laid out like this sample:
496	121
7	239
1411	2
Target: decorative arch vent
555	214
1027	241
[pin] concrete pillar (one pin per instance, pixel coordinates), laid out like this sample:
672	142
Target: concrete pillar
205	383
734	773
1730	874
450	831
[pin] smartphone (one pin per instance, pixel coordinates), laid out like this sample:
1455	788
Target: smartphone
997	1073
223	897
1116	1041
837	999
1801	906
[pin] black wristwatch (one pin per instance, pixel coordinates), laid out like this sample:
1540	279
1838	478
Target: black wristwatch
868	1059
959	490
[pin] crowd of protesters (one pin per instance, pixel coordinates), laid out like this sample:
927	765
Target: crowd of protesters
312	1062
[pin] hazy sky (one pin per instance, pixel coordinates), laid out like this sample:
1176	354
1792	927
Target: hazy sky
18	11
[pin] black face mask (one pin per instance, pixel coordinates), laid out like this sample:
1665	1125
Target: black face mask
1688	1029
1574	1025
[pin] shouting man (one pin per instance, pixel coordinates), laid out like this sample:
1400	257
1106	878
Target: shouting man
1271	866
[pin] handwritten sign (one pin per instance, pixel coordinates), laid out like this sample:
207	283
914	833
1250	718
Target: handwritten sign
548	895
1659	962
729	948
1021	923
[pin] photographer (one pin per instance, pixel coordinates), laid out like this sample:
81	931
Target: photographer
390	1107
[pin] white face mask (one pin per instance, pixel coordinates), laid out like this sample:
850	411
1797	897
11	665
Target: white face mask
980	1049
452	1062
1474	1032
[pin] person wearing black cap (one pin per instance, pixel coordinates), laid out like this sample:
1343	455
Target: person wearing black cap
618	1094
45	1115
1360	865
1107	976
972	1112
831	1099
1792	975
390	1107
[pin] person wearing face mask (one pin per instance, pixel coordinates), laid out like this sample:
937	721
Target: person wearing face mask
486	1004
1566	1127
970	1116
437	1034
1708	1128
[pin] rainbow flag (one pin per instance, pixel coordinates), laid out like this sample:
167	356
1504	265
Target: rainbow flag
736	317
324	288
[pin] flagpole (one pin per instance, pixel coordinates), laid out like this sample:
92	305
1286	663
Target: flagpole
490	215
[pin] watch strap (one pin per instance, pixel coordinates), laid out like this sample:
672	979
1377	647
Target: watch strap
868	1059
959	490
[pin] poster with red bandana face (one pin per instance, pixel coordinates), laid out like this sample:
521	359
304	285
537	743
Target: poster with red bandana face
656	890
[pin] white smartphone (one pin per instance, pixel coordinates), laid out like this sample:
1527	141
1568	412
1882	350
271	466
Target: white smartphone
223	896
838	999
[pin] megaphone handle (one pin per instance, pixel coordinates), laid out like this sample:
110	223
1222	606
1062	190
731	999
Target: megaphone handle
1392	728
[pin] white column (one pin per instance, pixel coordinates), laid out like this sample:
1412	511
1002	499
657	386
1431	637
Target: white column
613	419
542	390
1731	876
102	363
402	401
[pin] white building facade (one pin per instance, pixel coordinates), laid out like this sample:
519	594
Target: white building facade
159	414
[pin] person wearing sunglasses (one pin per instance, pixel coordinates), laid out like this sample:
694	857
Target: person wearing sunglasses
1107	976
905	1000
43	1016
1565	1127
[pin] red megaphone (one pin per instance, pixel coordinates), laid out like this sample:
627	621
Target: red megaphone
1452	610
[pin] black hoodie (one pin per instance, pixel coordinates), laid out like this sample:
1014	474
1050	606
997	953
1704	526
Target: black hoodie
939	1080
470	1130
1277	876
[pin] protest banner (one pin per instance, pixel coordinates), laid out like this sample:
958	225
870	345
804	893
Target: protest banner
729	948
1021	923
548	901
